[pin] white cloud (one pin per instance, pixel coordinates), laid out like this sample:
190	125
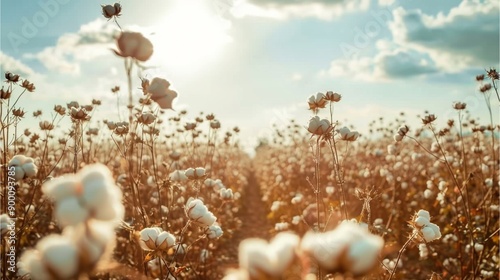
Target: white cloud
10	64
467	37
282	10
386	2
91	41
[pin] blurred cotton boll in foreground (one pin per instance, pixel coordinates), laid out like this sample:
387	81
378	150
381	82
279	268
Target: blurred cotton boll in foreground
54	257
349	247
261	260
24	167
89	194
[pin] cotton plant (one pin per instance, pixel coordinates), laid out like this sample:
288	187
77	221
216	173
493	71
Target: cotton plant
87	206
24	167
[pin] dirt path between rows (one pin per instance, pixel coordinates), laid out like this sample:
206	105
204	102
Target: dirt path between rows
254	222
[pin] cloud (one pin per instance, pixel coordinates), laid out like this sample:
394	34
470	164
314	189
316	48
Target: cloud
465	38
10	64
281	10
91	41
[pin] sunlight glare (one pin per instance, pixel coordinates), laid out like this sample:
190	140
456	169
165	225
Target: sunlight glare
190	36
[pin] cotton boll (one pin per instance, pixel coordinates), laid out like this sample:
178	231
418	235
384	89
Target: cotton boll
428	234
421	221
31	263
424	213
18	173
478	247
296	220
60	254
69	212
147	239
259	257
165	240
436	230
62	187
363	254
423	251
214	231
30	168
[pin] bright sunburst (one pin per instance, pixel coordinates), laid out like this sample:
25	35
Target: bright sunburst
189	36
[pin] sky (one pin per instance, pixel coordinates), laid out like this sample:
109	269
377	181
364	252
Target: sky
254	63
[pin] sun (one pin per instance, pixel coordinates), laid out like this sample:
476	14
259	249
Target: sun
190	36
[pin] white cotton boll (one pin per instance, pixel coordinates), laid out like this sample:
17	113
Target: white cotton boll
330	190
151	181
96	184
148	237
428	194
421	221
199	172
488	182
325	248
92	241
209	182
430	184
363	253
485	168
424	213
189	172
30	169
207	219
178	176
428	234
112	209
436	230
214	231
5	223
61	254
281	226
478	247
18	173
62	187
226	194
256	255
296	220
423	251
31	263
275	206
442	185
404	185
165	240
197	211
69	212
297	199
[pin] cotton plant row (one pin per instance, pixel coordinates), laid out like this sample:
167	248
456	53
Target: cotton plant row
143	152
385	178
